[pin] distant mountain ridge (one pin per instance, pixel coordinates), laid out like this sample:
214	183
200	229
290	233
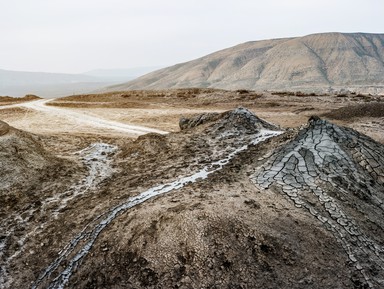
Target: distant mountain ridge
121	74
327	61
10	77
20	83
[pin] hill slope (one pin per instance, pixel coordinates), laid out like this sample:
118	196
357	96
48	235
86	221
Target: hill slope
318	61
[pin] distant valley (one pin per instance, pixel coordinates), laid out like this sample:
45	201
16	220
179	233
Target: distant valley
20	83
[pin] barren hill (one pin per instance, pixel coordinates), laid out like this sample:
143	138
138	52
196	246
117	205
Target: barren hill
317	62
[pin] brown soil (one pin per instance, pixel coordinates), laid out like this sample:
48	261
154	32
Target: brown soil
4	128
220	232
373	109
7	100
162	109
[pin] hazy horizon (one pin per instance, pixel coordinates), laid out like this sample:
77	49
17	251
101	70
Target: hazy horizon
75	37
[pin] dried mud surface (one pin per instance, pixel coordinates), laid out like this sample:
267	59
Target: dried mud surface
162	109
228	201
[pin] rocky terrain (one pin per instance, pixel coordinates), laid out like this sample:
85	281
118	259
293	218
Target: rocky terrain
229	201
319	62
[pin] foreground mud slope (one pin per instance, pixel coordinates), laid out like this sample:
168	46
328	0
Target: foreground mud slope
23	159
35	186
231	201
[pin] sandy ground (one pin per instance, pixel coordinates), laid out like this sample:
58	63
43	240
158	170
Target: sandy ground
38	118
88	120
137	112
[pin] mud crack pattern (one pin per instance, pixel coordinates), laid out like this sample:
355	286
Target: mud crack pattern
327	163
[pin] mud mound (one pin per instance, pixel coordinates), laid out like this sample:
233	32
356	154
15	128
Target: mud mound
238	121
148	144
226	133
186	123
337	175
4	128
207	136
241	121
22	158
355	111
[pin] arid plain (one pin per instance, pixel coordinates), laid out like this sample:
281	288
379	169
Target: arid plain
162	109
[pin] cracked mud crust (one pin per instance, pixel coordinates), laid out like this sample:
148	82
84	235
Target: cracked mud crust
337	176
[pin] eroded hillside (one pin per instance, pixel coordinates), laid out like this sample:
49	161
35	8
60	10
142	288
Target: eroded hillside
318	62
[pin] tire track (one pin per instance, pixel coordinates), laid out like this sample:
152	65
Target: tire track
81	118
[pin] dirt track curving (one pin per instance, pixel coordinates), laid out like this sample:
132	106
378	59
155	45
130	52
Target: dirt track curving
76	117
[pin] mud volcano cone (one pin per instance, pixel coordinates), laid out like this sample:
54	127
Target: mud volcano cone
337	175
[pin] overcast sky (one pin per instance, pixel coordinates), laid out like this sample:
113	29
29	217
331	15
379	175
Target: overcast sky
80	35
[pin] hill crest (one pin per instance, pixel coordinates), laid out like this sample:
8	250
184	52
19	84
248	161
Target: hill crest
316	62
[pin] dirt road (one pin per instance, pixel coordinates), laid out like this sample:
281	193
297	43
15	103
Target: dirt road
84	119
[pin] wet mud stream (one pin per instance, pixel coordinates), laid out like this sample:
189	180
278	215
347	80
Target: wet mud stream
97	159
58	273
